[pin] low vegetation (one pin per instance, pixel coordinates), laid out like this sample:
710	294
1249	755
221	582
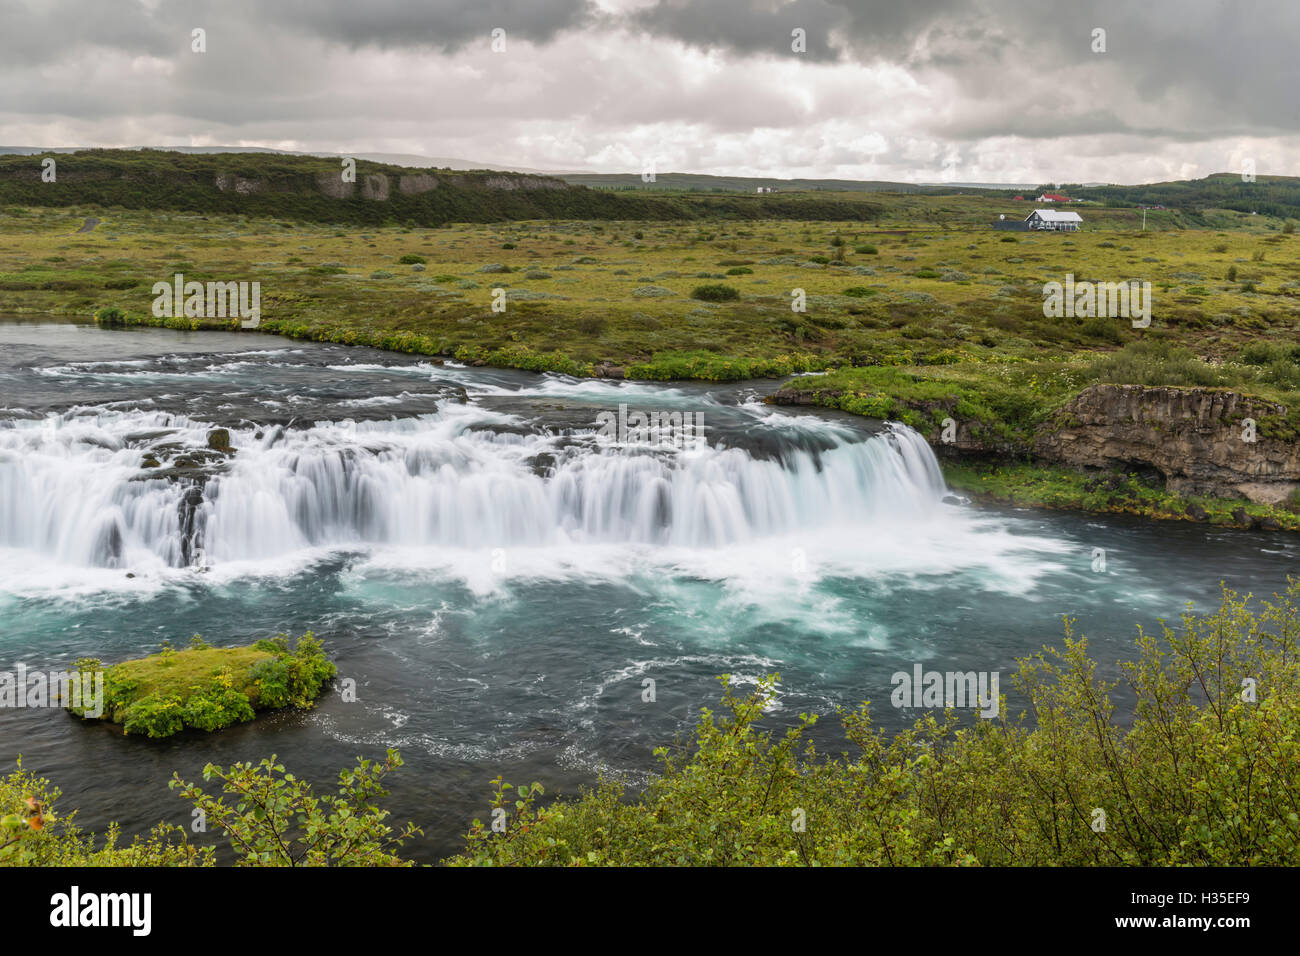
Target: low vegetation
268	816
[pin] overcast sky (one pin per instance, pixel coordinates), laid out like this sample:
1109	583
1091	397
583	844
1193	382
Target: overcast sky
904	90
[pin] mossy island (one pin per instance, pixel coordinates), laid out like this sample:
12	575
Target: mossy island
202	687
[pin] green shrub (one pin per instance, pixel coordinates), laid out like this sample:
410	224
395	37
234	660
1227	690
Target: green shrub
154	716
110	317
271	684
309	669
411	259
216	708
276	819
740	271
866	250
1153	363
33	832
715	293
1103	329
1261	353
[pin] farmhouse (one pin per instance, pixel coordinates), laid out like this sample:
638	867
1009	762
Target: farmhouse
1054	219
1053	197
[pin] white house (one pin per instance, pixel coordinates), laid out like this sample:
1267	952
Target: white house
1054	219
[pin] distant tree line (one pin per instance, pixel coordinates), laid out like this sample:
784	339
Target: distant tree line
1267	195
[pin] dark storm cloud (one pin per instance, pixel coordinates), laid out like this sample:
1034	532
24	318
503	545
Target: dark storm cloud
744	26
441	24
835	28
1221	64
35	31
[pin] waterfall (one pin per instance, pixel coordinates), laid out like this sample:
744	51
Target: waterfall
73	488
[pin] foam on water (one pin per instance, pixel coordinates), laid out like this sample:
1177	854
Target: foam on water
447	491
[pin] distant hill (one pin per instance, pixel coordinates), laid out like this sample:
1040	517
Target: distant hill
410	160
1267	195
273	183
278	185
709	183
695	182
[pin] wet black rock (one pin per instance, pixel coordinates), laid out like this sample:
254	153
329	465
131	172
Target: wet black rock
219	440
190	535
542	465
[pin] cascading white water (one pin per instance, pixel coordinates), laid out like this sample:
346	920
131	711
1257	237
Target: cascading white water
74	489
66	493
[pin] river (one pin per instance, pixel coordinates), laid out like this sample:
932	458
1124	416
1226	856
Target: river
498	579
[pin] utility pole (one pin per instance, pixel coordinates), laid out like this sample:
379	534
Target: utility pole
1144	218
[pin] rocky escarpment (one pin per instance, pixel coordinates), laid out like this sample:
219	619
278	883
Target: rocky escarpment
378	186
333	190
1201	441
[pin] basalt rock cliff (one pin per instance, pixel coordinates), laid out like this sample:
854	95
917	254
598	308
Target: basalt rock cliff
1201	441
